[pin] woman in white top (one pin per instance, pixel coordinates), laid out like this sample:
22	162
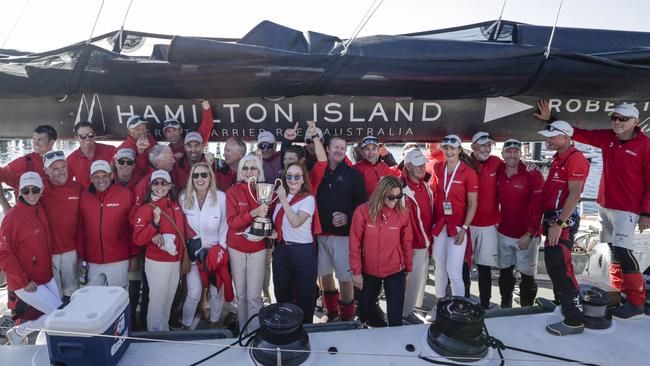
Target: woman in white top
205	209
294	257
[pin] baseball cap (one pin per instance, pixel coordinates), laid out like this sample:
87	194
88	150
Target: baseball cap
135	121
265	136
162	174
512	143
319	132
626	110
481	138
451	140
193	136
125	153
369	140
30	179
100	165
557	128
171	123
52	156
415	157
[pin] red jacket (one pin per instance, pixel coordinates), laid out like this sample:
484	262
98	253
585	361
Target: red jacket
571	165
420	211
105	225
61	206
380	248
205	129
79	165
11	173
239	203
226	178
25	246
141	160
625	182
520	198
144	229
215	271
142	187
373	173
487	211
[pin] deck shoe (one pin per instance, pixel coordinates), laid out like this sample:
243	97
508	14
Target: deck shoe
13	337
506	304
562	329
175	324
629	311
412	318
376	323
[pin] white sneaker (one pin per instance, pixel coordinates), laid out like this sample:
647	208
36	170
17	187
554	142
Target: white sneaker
13	337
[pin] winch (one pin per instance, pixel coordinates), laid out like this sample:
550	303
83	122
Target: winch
281	328
594	304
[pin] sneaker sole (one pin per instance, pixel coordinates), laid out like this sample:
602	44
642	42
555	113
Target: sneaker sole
637	316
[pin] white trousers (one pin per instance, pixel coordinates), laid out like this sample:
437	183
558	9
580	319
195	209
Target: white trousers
194	289
163	280
449	264
248	275
109	274
416	280
65	272
45	299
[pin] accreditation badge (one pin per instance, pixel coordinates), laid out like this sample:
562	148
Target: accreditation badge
446	207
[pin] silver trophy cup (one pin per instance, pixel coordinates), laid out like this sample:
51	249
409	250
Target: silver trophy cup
262	226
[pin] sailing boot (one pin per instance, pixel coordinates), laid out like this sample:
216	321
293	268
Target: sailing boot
347	310
507	283
527	290
616	276
331	304
634	289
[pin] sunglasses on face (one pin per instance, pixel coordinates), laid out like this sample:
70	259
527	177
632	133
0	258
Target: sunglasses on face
86	136
125	162
197	175
53	154
512	144
247	168
294	177
392	197
27	191
159	182
620	118
265	146
551	128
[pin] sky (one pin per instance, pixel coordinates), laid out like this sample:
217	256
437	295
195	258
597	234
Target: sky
49	24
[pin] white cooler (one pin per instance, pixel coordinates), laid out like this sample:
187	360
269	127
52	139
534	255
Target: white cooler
93	310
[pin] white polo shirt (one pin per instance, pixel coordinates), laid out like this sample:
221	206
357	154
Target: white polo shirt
303	233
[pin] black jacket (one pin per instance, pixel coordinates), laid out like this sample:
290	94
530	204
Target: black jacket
341	190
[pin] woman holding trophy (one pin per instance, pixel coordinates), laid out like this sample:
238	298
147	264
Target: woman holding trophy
246	247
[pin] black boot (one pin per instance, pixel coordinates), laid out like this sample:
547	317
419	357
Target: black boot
527	290
507	283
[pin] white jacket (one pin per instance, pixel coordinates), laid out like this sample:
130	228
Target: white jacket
209	223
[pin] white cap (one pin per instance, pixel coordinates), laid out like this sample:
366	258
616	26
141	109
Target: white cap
451	140
319	132
125	152
163	174
481	138
30	179
193	136
265	136
171	123
415	157
369	140
52	156
626	110
135	121
557	128
512	143
100	165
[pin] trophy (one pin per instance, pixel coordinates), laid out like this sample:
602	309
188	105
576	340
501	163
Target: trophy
262	226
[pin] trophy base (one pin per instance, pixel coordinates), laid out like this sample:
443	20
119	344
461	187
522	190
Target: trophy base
261	228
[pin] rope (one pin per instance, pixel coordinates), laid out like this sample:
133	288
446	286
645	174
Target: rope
496	31
11	31
361	24
90	37
120	40
550	39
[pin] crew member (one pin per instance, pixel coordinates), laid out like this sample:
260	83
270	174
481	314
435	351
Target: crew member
234	149
194	145
271	159
160	158
140	141
173	130
371	167
124	162
89	150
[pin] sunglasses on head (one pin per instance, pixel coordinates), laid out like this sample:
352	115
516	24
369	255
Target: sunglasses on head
171	124
159	182
392	197
512	144
294	177
483	138
53	154
246	168
26	191
620	118
128	162
86	136
552	128
265	146
202	175
450	140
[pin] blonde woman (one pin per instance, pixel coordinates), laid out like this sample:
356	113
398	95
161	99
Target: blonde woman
381	249
205	209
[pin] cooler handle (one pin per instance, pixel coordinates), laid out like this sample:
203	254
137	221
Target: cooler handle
71	349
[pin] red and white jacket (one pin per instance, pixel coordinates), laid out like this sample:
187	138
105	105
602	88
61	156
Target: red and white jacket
239	203
422	233
25	246
61	205
144	229
382	247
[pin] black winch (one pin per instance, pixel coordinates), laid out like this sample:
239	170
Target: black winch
281	328
647	293
457	333
594	304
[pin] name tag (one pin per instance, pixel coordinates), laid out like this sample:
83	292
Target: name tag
446	207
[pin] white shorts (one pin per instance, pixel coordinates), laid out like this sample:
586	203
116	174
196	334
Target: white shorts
617	227
485	245
334	257
66	272
109	274
525	261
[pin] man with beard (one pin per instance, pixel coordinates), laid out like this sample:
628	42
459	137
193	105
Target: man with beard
371	167
89	150
194	145
233	151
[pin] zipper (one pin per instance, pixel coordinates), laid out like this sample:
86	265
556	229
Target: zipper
557	200
45	233
101	239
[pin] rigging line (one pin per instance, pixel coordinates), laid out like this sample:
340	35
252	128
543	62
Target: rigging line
496	31
362	24
550	39
90	37
11	31
361	21
124	22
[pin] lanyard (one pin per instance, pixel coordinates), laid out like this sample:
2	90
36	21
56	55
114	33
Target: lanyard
446	187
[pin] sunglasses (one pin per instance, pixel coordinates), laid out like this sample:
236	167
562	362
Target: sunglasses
294	177
247	168
202	175
27	191
265	146
53	154
450	140
87	136
159	182
392	197
483	138
551	128
621	118
512	144
125	162
171	124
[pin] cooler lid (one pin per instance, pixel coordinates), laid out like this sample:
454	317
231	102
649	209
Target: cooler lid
92	309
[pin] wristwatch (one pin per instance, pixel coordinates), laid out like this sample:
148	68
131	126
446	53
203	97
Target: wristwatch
465	227
530	235
561	224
